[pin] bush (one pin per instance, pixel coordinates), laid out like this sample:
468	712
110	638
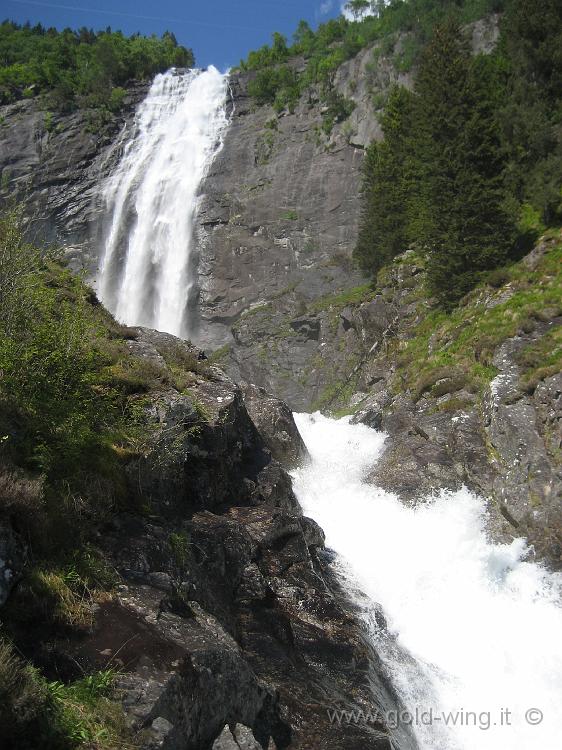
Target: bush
24	702
35	713
277	86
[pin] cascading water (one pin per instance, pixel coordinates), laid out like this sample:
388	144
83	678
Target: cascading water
474	631
152	199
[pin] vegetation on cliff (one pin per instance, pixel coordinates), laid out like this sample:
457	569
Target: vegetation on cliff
80	68
277	82
73	400
459	347
459	165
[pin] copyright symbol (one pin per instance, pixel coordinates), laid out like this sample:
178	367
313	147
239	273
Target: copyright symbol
534	716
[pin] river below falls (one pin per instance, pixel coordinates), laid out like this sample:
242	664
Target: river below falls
473	642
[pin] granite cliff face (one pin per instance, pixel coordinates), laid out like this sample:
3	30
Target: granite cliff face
278	223
55	164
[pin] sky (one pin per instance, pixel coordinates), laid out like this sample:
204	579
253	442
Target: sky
220	32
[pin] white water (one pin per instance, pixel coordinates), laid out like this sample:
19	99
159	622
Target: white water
483	625
152	199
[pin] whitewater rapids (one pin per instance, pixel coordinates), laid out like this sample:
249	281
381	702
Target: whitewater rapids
473	627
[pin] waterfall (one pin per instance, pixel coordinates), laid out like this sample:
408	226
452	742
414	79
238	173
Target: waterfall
473	640
146	275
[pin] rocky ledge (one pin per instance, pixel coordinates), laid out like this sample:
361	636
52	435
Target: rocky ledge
227	627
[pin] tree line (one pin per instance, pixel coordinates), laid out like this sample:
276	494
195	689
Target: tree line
472	158
80	68
338	39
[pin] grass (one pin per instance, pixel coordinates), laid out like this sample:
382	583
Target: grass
179	544
88	714
35	712
541	359
464	341
59	597
354	296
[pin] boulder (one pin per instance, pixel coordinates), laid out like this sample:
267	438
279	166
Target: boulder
275	423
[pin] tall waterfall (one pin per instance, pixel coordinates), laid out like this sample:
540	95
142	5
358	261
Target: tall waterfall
474	630
146	276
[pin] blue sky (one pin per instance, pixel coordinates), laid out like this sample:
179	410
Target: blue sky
219	31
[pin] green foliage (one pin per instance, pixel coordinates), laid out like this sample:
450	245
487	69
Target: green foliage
464	340
44	333
80	68
179	544
338	109
438	177
386	186
24	703
337	40
339	300
477	145
73	412
53	716
277	86
530	50
460	217
541	359
73	404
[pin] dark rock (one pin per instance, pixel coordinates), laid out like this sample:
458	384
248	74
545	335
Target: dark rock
313	534
245	739
275	423
273	487
524	432
240	623
308	328
225	741
11	560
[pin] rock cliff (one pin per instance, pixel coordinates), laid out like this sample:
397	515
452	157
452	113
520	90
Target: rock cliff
56	163
490	418
225	612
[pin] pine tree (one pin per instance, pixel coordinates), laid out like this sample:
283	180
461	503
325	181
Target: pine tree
385	188
531	45
458	212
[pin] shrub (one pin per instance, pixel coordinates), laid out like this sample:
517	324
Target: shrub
24	701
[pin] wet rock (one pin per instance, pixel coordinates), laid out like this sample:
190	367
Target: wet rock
275	423
273	487
241	739
229	615
313	534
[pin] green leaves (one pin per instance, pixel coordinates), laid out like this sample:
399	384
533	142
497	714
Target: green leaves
438	178
80	68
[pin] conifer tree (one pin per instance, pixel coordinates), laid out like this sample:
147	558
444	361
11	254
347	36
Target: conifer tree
386	187
458	213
